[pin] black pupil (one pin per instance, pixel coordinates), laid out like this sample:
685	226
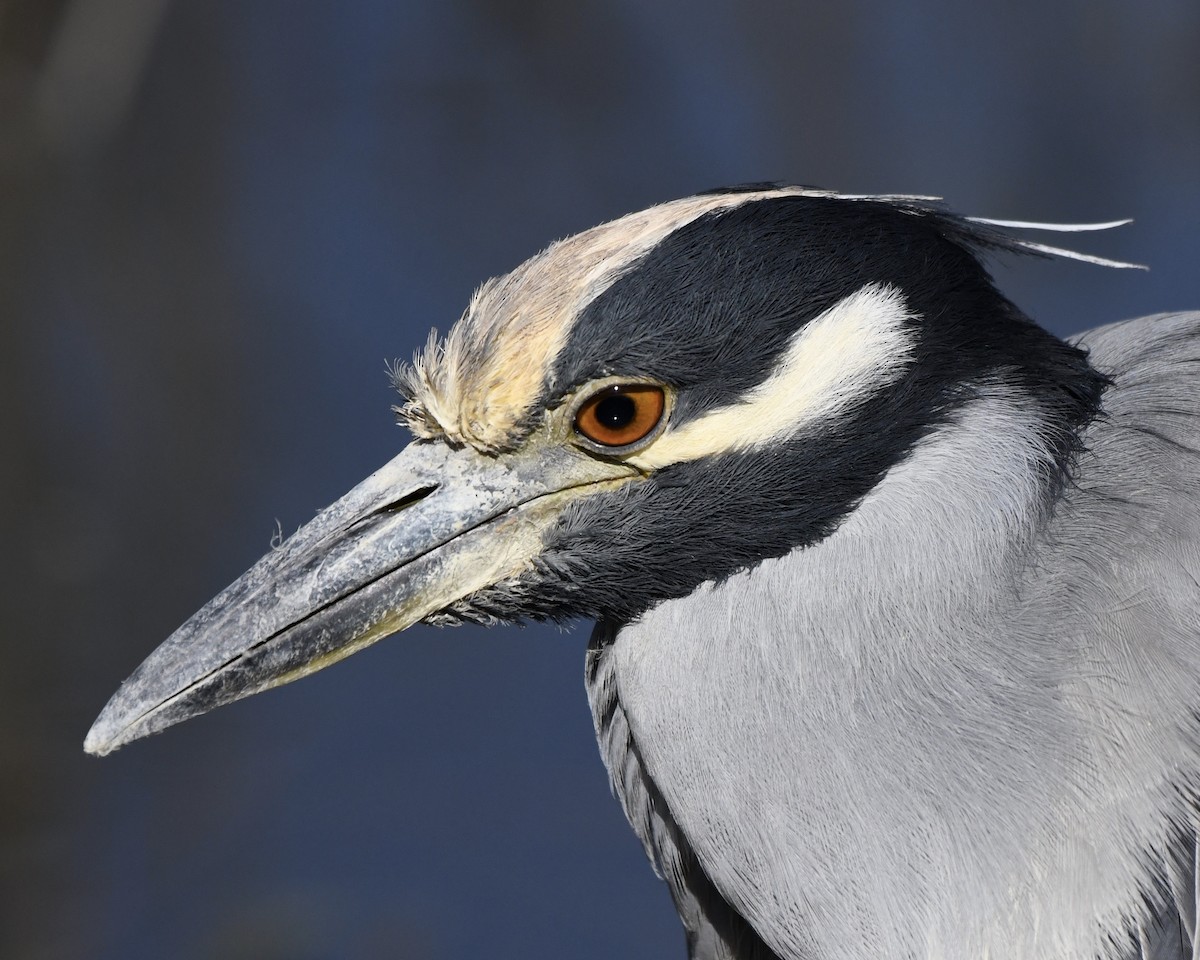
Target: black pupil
616	411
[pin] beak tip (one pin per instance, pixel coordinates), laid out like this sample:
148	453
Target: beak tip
97	744
111	730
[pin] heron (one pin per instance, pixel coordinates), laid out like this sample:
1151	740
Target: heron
895	594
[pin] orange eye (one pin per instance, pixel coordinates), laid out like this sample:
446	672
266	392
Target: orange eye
621	414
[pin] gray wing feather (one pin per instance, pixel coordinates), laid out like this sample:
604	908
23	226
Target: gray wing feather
1170	931
713	930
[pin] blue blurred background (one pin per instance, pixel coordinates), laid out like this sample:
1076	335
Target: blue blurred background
219	219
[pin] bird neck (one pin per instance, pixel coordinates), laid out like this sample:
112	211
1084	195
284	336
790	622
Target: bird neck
947	532
939	542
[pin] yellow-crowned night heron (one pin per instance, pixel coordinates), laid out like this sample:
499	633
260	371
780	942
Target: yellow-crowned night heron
896	594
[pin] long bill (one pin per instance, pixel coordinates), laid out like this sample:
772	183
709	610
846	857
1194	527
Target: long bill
431	527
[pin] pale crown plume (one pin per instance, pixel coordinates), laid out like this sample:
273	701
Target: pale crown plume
478	385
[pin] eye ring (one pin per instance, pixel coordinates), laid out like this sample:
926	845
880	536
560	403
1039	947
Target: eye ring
621	417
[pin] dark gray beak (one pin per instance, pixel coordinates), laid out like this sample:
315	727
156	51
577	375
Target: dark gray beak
431	527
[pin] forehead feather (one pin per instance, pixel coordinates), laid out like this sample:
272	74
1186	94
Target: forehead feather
480	383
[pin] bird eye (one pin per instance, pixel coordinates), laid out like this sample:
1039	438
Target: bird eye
621	414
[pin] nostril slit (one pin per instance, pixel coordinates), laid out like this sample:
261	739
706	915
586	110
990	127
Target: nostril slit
395	506
408	499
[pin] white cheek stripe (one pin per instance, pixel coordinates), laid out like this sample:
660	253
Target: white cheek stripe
845	355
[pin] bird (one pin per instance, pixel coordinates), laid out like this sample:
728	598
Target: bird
896	595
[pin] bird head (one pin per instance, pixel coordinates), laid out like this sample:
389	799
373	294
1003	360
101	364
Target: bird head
653	404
